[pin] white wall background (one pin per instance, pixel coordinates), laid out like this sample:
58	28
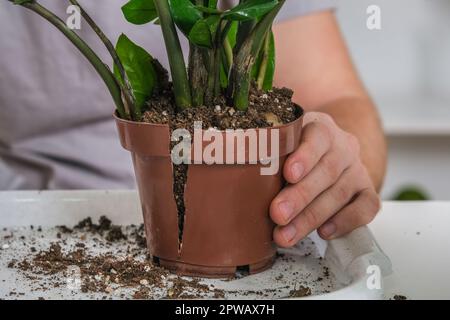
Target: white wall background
406	67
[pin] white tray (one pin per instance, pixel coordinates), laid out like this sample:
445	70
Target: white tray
353	260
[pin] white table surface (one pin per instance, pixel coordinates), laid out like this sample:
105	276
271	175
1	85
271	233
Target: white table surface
416	237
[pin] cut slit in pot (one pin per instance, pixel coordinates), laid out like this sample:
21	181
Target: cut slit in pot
179	184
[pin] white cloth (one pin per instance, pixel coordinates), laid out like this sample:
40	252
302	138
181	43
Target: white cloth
56	129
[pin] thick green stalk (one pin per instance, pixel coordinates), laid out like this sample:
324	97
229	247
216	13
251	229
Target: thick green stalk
198	75
125	85
228	50
264	61
244	30
211	80
101	68
246	57
217	65
215	62
180	80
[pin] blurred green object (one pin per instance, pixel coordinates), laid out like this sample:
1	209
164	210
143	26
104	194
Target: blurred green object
411	194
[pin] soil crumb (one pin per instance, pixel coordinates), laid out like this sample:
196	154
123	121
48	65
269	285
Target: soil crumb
399	297
300	292
104	227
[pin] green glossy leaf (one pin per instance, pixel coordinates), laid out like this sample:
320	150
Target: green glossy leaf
140	11
250	10
232	34
208	10
204	31
213	23
139	67
200	34
185	14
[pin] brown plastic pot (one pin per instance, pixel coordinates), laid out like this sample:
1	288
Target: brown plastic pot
227	225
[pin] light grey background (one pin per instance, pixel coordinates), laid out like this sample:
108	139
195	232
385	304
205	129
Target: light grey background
406	67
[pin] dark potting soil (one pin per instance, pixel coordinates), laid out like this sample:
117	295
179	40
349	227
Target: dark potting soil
179	183
105	272
121	267
104	227
266	109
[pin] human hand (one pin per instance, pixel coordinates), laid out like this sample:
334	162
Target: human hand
329	187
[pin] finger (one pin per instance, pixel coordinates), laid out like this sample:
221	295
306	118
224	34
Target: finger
322	208
294	198
358	213
316	141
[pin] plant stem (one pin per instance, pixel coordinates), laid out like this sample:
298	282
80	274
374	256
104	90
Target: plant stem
246	57
209	95
215	61
101	68
217	65
228	52
125	84
244	30
175	54
264	62
198	75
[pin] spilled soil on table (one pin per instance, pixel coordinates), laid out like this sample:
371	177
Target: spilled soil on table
110	258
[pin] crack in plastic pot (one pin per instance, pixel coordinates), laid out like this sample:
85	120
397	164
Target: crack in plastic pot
179	184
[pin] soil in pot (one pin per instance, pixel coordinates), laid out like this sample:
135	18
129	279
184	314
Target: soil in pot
219	211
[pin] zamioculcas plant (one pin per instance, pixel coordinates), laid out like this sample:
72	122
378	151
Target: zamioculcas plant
229	49
210	218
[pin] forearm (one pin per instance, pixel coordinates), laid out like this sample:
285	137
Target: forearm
317	66
358	116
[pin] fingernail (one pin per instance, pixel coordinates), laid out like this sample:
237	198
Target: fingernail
286	209
297	170
288	233
328	229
